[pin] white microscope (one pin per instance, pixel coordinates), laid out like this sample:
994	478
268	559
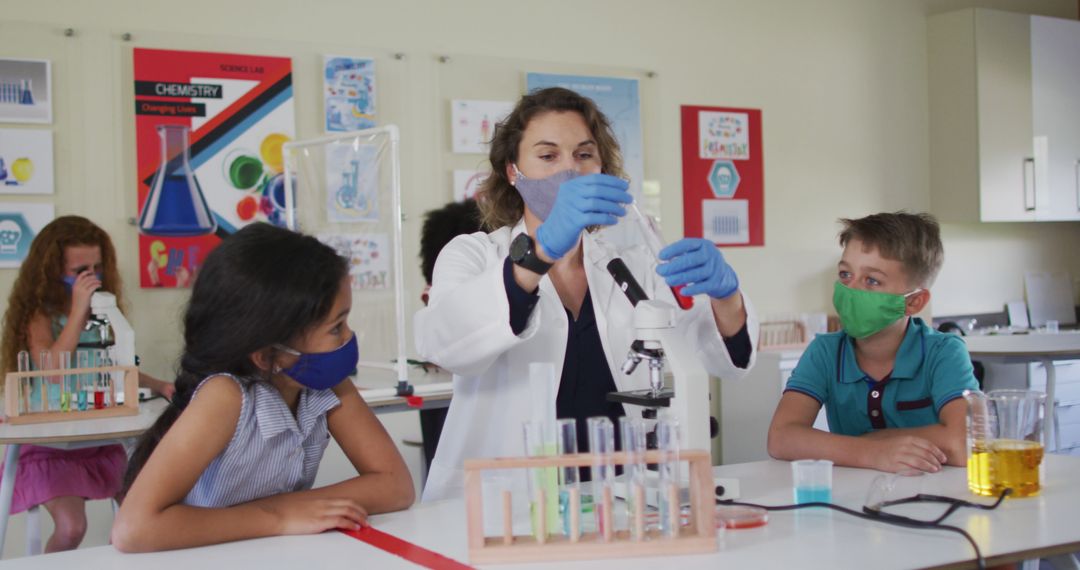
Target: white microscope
658	341
117	336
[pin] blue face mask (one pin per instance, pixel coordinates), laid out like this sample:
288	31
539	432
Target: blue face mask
69	281
323	370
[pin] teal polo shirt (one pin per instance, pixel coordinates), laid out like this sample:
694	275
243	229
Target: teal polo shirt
931	369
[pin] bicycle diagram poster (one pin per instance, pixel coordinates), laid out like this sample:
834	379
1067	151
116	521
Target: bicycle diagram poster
208	131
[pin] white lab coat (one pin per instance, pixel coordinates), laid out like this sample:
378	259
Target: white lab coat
466	329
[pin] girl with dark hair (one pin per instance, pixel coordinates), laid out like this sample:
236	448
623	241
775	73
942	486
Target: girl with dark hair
69	259
263	384
535	290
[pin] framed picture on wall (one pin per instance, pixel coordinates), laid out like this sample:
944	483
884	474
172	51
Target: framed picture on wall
25	91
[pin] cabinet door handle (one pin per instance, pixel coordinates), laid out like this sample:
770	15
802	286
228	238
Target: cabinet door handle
1029	183
1076	169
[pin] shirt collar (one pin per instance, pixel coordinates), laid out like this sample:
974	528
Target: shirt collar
274	417
908	361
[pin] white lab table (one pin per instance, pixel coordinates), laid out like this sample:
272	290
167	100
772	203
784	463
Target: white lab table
376	387
1024	348
67	435
1019	529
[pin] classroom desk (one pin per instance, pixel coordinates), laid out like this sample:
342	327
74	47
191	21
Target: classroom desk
376	389
379	389
1024	348
1019	529
67	435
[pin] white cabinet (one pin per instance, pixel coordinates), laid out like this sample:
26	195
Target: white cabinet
747	406
1004	123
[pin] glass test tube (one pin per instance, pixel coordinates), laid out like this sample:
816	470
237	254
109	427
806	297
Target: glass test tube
99	381
83	358
30	401
632	431
65	382
569	480
667	443
543	481
601	446
52	386
655	244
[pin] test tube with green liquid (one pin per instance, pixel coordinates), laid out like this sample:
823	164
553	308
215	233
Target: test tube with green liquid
543	481
65	381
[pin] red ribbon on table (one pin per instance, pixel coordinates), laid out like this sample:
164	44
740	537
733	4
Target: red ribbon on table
407	550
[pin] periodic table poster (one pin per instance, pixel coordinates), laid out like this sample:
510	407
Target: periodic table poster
723	175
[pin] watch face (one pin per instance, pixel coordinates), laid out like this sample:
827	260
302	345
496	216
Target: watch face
520	247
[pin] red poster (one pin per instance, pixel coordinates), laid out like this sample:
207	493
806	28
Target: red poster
208	129
723	175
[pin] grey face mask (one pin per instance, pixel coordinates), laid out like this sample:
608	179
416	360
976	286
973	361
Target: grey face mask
539	193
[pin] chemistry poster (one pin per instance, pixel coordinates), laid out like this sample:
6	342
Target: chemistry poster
26	161
209	129
618	99
348	93
25	91
723	175
19	224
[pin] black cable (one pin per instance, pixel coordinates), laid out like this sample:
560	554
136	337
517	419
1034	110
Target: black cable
886	518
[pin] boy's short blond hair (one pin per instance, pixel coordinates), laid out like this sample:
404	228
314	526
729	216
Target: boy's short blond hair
912	239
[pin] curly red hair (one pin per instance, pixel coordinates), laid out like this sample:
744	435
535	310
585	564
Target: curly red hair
39	289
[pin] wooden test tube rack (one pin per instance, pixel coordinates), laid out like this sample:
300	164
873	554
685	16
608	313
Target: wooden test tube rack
14	396
697	537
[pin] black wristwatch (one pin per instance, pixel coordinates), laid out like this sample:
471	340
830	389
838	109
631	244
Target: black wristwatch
523	253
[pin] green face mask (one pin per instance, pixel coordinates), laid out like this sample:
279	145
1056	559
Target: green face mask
864	313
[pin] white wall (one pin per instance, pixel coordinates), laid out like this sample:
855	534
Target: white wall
842	84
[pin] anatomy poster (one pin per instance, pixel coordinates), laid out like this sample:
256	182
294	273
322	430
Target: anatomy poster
472	123
348	93
26	161
368	255
723	175
19	224
209	128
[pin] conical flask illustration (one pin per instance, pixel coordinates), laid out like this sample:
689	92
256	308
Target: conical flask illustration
176	206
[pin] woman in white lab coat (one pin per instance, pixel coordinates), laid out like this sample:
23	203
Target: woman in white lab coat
535	290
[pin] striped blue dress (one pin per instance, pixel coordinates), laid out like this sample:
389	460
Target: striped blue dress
271	452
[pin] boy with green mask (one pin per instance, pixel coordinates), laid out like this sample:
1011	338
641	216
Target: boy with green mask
891	385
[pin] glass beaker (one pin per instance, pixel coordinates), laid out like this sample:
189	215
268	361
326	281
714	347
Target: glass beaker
1005	441
176	205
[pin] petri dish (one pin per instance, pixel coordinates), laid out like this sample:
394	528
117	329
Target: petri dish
739	517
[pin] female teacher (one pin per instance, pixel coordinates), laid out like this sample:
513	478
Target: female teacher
533	290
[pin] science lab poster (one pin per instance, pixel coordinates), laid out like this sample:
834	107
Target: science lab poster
26	161
25	91
19	224
723	175
208	130
348	93
620	102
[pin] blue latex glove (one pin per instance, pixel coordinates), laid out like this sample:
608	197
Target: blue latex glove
698	264
590	200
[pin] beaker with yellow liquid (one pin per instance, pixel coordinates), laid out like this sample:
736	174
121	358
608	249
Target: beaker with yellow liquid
1005	441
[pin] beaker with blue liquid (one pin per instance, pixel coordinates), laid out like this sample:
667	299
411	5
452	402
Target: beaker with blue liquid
176	206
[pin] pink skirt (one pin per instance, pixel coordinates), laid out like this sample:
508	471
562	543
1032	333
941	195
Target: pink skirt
45	473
